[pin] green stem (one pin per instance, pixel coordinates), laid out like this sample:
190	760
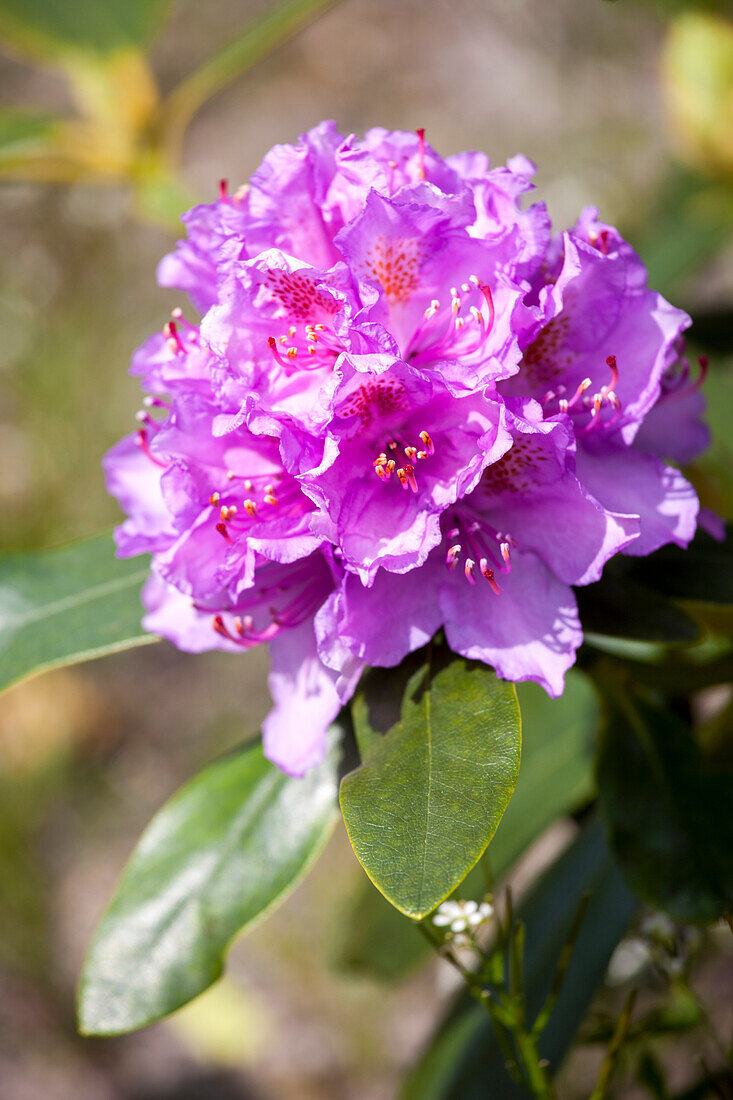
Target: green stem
614	1048
484	998
529	1057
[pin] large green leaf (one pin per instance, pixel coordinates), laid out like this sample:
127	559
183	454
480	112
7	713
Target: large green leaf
422	807
62	606
668	815
226	849
555	777
49	28
464	1061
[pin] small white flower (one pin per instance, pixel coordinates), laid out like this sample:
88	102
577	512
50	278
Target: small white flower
446	913
658	924
460	915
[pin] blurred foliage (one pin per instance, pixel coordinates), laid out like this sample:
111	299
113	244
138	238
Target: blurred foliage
125	129
697	74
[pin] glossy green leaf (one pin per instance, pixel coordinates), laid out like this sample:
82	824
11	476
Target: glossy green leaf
58	607
226	849
422	807
555	777
266	33
669	817
704	571
464	1061
50	28
619	607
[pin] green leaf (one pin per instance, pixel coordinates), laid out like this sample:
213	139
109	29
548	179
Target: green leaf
425	803
704	571
668	816
23	131
259	38
226	849
555	777
58	607
51	28
464	1061
619	607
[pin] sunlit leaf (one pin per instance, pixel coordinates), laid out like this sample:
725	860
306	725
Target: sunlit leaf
425	803
226	849
58	607
555	777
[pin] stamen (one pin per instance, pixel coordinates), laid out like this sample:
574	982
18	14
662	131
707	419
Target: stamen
428	442
468	570
611	364
406	474
272	344
486	291
421	153
250	507
566	405
488	575
452	556
170	331
143	444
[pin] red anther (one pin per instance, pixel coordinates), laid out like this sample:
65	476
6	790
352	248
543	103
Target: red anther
704	363
421	152
222	529
611	364
603	238
488	575
223	190
486	291
409	472
272	344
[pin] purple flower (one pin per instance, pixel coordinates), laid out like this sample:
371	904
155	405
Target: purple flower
406	407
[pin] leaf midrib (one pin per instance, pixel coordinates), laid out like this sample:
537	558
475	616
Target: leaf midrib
429	745
77	599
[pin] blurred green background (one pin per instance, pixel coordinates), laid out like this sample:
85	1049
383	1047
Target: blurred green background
625	105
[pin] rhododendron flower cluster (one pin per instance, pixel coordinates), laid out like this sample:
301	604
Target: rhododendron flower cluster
406	406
